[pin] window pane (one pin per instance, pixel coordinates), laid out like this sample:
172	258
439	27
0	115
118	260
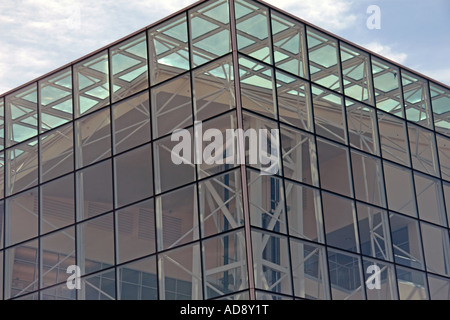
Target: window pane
214	89
262	295
340	222
2	123
309	269
21	115
100	286
1	272
386	78
387	280
417	99
399	189
135	231
56	148
447	199
21	217
56	105
177	217
225	264
304	212
362	127
443	145
133	176
2	224
266	200
440	100
436	246
334	167
138	281
171	106
411	284
430	200
323	60
271	262
210	31
423	150
131	122
329	118
168	48
289	45
22	167
58	292
406	241
95	244
129	67
93	138
180	274
91	84
368	179
94	190
221	203
394	145
57	204
2	175
439	288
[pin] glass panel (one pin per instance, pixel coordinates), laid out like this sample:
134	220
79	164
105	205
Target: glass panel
214	89
252	27
171	106
440	100
94	190
262	295
135	231
412	284
243	295
417	99
406	241
374	232
443	145
177	217
21	217
362	127
129	67
334	167
439	288
21	115
266	201
56	105
131	122
386	78
133	175
95	244
2	227
271	262
1	272
384	276
340	222
289	45
304	212
2	124
2	175
329	117
21	269
93	138
100	286
173	164
91	79
22	167
180	275
210	31
309	269
225	264
57	204
221	203
394	144
294	101
447	199
59	293
299	156
323	59
423	150
58	253
168	48
399	189
356	74
436	246
56	148
368	178
430	200
346	277
137	280
257	87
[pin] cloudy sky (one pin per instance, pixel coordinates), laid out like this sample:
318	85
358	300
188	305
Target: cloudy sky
38	36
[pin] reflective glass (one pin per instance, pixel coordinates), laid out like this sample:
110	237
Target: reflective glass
447	199
2	175
436	247
2	123
1	272
443	145
386	78
417	99
439	288
393	141
99	286
440	100
412	284
58	292
423	150
362	127
137	280
387	281
430	200
2	225
22	167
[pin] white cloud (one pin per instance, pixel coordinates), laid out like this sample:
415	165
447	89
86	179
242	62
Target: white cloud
387	51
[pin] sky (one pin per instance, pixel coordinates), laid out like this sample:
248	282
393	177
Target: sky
38	36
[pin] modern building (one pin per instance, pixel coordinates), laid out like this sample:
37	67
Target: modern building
363	177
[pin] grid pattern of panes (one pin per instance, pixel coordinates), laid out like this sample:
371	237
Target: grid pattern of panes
363	179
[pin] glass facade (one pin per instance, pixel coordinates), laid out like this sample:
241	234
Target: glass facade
363	177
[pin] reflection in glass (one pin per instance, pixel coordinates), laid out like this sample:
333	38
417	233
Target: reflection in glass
362	127
439	288
387	280
22	167
430	200
436	246
393	141
137	280
100	286
443	145
386	79
412	284
58	292
417	99
440	100
423	150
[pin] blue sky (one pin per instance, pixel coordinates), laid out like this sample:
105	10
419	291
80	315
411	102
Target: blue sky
38	36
